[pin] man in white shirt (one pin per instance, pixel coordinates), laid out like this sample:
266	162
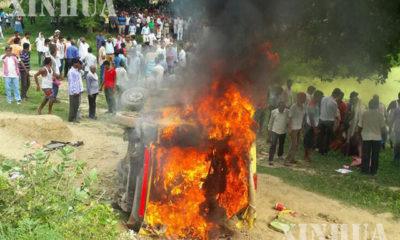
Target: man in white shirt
182	58
83	48
288	94
180	29
158	72
145	33
89	61
11	75
39	47
296	123
328	115
277	129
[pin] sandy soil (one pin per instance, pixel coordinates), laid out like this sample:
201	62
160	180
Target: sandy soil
103	147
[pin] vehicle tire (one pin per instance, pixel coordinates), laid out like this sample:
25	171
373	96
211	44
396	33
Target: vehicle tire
134	98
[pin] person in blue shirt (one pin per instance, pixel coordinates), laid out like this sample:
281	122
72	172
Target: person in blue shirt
121	24
119	59
99	39
72	53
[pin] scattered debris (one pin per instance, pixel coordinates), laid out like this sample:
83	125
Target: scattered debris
343	171
54	145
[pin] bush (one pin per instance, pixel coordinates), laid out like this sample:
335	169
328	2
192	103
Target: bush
43	200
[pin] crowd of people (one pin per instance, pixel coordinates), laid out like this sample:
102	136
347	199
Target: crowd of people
328	123
140	45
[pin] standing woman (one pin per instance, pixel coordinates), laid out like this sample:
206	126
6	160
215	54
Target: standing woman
47	74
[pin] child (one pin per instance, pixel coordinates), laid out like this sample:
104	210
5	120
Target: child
277	129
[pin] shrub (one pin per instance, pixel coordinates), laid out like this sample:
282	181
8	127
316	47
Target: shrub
40	199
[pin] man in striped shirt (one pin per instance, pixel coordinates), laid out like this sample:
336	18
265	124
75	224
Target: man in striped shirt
75	89
24	68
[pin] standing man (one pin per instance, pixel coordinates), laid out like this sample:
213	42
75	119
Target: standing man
72	53
309	94
329	114
370	125
180	29
39	47
61	52
109	46
92	85
24	68
277	129
297	114
288	94
47	75
102	57
11	75
26	39
110	76
75	90
121	24
312	116
83	48
55	65
89	61
99	40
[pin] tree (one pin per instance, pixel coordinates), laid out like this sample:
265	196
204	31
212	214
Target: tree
340	37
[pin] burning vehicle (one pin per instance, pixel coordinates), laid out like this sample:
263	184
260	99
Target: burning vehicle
189	167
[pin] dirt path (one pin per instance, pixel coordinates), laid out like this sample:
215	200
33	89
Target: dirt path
103	144
103	147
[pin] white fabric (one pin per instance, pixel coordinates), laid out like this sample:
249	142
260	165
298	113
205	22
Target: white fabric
296	114
47	81
39	44
278	121
83	49
11	67
329	109
90	60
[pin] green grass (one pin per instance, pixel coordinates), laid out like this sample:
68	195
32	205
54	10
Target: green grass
377	194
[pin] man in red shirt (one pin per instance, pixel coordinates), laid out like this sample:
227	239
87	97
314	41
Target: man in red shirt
342	108
109	86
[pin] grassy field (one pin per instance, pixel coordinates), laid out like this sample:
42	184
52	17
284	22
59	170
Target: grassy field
366	88
377	194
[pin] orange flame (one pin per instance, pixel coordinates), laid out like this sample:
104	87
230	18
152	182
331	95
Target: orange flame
182	186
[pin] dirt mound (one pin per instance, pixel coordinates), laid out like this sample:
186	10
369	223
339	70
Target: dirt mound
37	128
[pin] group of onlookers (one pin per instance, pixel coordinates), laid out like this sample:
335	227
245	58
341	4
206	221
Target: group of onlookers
121	61
329	123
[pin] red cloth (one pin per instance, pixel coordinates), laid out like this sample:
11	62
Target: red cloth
109	78
343	111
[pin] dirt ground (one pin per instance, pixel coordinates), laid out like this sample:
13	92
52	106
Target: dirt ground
103	148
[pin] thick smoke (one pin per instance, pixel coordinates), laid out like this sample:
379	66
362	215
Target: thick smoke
231	42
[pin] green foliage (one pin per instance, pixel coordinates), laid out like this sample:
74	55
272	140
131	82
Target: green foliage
40	199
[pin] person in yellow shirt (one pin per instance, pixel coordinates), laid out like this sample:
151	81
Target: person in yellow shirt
16	47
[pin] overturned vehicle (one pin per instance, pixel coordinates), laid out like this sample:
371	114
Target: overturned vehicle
187	169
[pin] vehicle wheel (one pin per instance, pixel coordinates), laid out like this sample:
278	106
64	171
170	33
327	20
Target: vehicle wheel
134	98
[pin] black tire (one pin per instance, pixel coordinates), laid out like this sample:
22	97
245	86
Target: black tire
134	98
